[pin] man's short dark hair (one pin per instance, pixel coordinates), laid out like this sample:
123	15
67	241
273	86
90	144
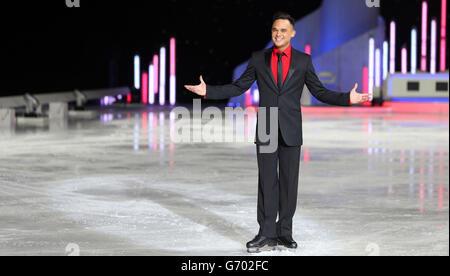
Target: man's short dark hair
283	15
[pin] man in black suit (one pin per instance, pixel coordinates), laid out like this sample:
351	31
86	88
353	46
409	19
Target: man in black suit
281	73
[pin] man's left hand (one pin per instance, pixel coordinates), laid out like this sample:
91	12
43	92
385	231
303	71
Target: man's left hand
357	98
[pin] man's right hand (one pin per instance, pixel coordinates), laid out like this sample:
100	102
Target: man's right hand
198	89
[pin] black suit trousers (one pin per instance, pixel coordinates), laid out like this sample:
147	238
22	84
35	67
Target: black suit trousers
277	192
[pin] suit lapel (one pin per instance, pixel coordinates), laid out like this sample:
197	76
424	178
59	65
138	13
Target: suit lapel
291	66
268	58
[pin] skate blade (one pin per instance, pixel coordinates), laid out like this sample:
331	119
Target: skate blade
281	247
266	248
284	248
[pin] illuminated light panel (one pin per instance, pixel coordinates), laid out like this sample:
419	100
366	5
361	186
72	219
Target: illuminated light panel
151	82
144	92
137	72
162	76
385	59
433	46
413	51
443	57
371	65
423	59
404	61
156	71
308	49
392	49
377	67
128	98
172	80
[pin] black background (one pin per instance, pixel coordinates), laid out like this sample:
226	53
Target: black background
47	47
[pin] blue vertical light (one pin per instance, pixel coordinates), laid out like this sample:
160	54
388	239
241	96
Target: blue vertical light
414	51
385	59
162	76
137	72
371	65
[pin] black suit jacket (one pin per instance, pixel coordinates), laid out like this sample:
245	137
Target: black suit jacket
287	99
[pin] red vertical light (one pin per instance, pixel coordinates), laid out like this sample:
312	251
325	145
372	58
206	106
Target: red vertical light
144	88
128	98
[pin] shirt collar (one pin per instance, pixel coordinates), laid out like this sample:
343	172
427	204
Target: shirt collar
287	52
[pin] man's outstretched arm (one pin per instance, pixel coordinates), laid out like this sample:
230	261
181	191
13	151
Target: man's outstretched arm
316	88
220	92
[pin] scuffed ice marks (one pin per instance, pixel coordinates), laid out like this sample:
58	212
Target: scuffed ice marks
111	206
185	218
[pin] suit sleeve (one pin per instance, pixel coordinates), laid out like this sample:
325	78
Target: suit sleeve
324	95
241	85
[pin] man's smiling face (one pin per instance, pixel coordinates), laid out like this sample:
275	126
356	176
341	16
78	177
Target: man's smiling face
282	33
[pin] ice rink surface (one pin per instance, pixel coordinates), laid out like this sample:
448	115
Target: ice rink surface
371	183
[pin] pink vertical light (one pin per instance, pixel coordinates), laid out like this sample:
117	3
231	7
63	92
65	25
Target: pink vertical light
172	56
423	59
248	98
443	58
433	46
128	98
145	88
365	88
392	48
308	49
172	79
156	73
404	60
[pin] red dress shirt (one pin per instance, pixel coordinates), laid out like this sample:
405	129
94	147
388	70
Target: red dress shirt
285	59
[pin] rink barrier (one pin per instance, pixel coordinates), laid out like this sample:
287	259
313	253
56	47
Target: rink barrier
58	103
77	96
